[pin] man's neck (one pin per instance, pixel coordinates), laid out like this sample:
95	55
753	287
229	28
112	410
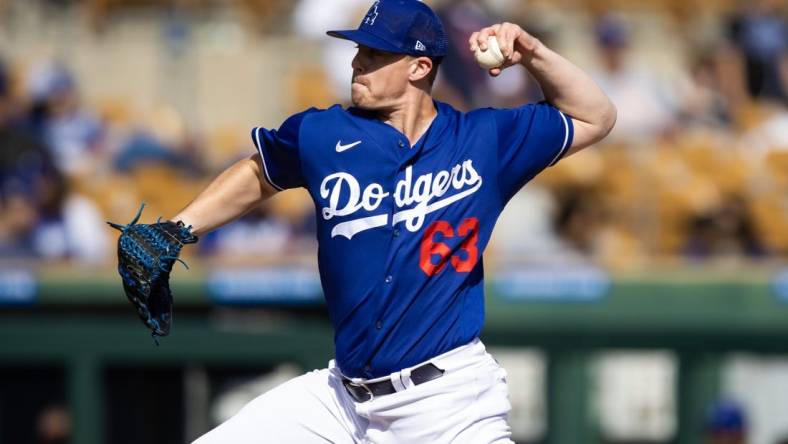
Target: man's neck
413	117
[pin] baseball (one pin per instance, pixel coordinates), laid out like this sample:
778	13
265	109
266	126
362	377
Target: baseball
492	57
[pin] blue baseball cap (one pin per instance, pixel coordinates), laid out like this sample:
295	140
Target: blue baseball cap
401	27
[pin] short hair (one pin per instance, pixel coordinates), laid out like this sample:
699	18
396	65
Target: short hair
436	63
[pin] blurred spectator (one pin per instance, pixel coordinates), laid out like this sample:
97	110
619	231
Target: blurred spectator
727	230
142	147
53	425
579	220
69	225
72	133
760	33
526	229
592	230
646	108
162	141
704	103
38	216
23	163
726	423
258	233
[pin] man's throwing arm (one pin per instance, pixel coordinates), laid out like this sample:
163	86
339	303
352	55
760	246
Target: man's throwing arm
565	86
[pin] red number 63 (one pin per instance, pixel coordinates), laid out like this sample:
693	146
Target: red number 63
469	229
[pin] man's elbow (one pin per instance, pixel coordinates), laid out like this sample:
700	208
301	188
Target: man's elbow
603	123
607	120
593	129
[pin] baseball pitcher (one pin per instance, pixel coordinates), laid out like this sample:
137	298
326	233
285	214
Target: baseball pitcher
407	191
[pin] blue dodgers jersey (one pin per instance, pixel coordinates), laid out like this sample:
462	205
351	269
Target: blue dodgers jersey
401	228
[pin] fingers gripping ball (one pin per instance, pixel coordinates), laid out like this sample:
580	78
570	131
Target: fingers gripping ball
146	254
492	57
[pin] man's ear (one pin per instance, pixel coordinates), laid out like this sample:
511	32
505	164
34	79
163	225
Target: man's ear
420	68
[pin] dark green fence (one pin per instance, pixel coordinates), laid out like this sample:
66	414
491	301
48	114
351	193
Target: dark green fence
83	324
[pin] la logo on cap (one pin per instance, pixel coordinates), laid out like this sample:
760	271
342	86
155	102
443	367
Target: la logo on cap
372	14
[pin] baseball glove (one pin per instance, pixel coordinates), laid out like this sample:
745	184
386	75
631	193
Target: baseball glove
146	254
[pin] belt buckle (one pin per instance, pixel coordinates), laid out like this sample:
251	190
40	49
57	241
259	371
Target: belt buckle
363	386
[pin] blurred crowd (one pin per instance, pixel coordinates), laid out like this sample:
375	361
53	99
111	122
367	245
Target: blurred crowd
696	168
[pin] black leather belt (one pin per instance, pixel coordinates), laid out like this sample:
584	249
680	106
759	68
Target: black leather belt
364	392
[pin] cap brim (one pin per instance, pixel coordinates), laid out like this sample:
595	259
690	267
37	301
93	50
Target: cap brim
366	39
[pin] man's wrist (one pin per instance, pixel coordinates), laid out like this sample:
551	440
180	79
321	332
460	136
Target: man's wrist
533	57
187	221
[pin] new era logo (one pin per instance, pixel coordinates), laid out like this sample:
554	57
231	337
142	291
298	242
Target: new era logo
420	46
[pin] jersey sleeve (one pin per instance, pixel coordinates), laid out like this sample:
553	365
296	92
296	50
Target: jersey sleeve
530	138
280	151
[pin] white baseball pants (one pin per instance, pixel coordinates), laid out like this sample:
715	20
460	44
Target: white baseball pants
468	404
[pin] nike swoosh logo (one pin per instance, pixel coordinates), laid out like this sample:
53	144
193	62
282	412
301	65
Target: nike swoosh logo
341	147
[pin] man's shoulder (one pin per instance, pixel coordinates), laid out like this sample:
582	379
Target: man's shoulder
320	115
295	122
310	112
474	117
481	113
507	114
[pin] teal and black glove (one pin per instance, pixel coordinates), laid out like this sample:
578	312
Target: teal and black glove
146	254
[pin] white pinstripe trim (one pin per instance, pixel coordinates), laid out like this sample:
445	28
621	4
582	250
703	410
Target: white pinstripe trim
262	157
566	139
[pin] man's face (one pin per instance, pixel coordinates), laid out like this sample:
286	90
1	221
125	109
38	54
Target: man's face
380	79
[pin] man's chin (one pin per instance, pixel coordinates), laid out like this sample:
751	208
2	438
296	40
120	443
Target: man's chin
360	103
